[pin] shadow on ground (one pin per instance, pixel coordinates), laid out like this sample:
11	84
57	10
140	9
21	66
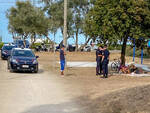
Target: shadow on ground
28	72
134	100
74	106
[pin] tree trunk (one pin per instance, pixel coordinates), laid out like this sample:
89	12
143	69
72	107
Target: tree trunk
47	38
54	46
13	35
123	52
77	40
34	38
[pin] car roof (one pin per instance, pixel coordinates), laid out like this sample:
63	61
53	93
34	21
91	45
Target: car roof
22	49
9	45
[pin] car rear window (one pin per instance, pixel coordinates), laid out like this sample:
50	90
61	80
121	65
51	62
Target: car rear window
23	53
8	47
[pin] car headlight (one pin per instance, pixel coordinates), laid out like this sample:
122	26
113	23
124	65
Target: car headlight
14	61
35	62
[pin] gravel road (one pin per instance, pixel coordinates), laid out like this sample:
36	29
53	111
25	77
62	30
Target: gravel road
34	93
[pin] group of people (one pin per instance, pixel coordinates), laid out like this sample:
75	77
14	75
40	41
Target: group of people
102	59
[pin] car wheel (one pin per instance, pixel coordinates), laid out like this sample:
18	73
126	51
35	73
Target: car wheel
11	70
8	66
2	58
36	70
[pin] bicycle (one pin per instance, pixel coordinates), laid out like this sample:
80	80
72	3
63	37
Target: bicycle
115	65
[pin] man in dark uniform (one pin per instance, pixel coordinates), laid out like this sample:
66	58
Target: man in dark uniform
99	60
105	61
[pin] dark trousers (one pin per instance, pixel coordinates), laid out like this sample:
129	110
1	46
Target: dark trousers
105	68
99	67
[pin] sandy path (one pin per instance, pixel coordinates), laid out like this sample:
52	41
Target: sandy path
33	93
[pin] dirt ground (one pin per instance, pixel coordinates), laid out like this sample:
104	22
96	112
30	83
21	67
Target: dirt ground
53	60
117	94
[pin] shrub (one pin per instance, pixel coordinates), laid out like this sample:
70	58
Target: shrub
129	52
1	45
118	47
33	46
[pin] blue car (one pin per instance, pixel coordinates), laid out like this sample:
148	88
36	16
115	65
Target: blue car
6	51
22	60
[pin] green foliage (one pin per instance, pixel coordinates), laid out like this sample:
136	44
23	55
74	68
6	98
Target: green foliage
114	20
129	52
117	19
118	47
34	45
76	13
1	45
0	39
55	11
25	20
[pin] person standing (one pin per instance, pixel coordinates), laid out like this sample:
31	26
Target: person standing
99	60
62	59
105	61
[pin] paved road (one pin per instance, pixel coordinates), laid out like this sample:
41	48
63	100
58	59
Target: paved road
34	93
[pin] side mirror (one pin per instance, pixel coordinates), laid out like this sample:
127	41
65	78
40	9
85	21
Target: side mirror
37	56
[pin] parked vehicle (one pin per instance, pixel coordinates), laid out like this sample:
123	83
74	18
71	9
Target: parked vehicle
6	51
22	60
87	49
41	47
20	43
71	48
57	48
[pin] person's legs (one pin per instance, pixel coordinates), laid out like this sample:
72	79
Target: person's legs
62	62
106	71
105	68
97	67
101	67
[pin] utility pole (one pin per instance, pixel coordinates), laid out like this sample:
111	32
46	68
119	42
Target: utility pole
65	24
65	28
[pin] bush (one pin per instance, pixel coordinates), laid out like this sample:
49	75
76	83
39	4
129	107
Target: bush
129	52
1	45
118	47
33	46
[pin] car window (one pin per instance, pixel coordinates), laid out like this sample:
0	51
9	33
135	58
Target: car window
23	53
8	47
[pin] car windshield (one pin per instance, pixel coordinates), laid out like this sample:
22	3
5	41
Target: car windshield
23	53
8	47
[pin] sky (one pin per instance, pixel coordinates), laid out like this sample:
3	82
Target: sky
7	37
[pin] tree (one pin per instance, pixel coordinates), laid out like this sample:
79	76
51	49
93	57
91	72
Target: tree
79	9
55	11
76	14
0	39
115	20
27	20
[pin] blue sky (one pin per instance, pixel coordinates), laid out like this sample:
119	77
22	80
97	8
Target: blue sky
7	37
